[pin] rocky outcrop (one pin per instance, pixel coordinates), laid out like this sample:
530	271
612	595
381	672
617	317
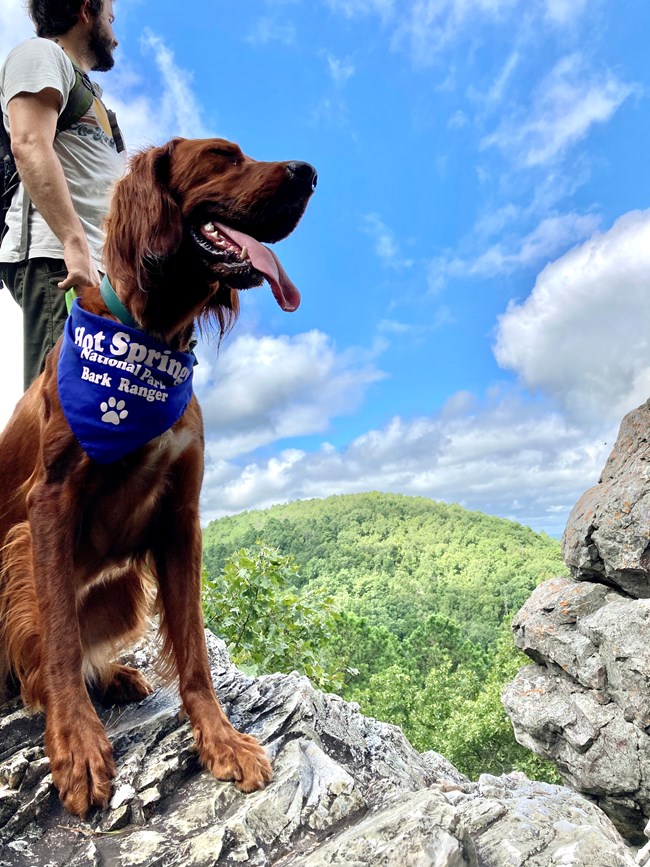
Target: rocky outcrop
348	790
585	704
607	537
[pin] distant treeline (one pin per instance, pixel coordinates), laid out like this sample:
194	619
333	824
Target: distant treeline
409	601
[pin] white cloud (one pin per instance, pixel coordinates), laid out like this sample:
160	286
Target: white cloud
356	8
495	220
179	105
341	70
416	332
546	239
332	109
146	121
550	237
564	11
427	26
387	247
498	89
267	30
11	357
568	103
508	458
264	389
394	326
14	25
580	337
583	334
458	120
143	121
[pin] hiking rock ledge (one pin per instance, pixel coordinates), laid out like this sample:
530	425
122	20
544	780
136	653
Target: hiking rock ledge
348	790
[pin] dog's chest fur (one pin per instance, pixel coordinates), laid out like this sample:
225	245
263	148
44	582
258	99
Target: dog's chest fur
123	502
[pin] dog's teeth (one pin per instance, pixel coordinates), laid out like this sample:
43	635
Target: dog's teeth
209	227
244	253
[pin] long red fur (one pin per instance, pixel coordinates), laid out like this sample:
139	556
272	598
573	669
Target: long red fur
88	552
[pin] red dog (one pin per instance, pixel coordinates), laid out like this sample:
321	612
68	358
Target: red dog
89	544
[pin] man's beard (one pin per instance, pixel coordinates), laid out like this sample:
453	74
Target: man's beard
101	45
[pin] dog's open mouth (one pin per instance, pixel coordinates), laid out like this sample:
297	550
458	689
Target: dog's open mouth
241	256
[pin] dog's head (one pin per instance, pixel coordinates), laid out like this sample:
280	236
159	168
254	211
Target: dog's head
186	228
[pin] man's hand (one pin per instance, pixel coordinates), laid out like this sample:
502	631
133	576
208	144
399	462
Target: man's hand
81	268
33	118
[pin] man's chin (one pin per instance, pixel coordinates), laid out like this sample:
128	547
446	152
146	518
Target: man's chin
103	64
102	47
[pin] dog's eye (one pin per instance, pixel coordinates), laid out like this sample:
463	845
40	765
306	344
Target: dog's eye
233	158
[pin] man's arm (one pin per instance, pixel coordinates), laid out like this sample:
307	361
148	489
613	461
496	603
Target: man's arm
32	119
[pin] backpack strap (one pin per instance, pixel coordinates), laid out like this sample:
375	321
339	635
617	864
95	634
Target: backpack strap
9	180
24	227
116	131
79	101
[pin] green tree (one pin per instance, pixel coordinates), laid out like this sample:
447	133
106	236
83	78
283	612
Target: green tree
367	649
395	560
424	591
439	641
478	736
456	709
267	625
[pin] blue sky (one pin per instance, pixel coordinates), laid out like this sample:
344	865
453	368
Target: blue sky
474	265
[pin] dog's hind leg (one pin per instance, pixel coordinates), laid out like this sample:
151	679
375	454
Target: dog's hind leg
113	614
19	618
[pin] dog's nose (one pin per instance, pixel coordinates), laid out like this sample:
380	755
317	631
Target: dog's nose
304	173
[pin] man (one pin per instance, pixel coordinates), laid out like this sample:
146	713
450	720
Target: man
68	175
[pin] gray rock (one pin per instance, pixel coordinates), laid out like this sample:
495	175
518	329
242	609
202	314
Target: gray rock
596	637
607	537
596	751
586	705
347	790
546	825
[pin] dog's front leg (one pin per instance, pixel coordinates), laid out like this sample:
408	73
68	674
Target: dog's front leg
80	755
227	753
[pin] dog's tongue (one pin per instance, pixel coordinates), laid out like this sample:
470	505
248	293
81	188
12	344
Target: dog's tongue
266	262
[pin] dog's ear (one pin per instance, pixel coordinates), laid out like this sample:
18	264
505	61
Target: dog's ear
166	226
144	211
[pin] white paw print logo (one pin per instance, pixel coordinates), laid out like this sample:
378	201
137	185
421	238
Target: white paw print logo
113	410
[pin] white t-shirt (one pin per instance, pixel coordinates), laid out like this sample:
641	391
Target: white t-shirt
86	150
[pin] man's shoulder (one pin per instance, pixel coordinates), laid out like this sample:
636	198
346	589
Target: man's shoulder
36	63
40	50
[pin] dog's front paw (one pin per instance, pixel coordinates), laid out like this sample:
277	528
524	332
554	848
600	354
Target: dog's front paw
237	757
81	761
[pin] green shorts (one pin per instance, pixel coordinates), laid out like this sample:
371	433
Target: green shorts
33	284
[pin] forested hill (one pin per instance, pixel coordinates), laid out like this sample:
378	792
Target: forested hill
396	560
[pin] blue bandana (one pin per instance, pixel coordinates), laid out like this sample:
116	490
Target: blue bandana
119	387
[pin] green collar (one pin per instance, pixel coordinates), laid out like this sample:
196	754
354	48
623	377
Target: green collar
110	300
115	305
117	308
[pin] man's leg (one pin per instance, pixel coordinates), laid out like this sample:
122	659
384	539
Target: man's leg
33	284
